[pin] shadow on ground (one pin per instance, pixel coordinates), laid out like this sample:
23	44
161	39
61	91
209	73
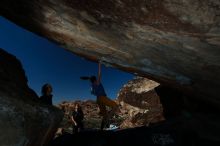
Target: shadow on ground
157	135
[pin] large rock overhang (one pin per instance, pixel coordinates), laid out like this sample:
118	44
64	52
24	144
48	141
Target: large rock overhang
173	42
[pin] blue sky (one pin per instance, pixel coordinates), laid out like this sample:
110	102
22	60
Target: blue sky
46	62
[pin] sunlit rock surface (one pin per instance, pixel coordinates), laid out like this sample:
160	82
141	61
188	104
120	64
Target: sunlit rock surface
140	104
23	120
171	41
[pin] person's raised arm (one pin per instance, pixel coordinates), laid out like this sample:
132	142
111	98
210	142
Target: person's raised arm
99	72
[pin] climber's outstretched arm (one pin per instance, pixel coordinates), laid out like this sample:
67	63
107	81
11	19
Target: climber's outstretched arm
99	72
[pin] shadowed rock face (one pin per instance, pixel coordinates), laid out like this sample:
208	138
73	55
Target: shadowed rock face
171	41
23	120
159	135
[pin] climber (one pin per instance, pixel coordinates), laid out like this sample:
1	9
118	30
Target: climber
77	118
46	97
102	100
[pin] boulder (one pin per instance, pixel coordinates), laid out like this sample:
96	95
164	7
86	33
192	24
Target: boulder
139	92
24	120
140	104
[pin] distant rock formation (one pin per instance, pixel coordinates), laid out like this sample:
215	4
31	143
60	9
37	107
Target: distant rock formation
92	120
24	121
